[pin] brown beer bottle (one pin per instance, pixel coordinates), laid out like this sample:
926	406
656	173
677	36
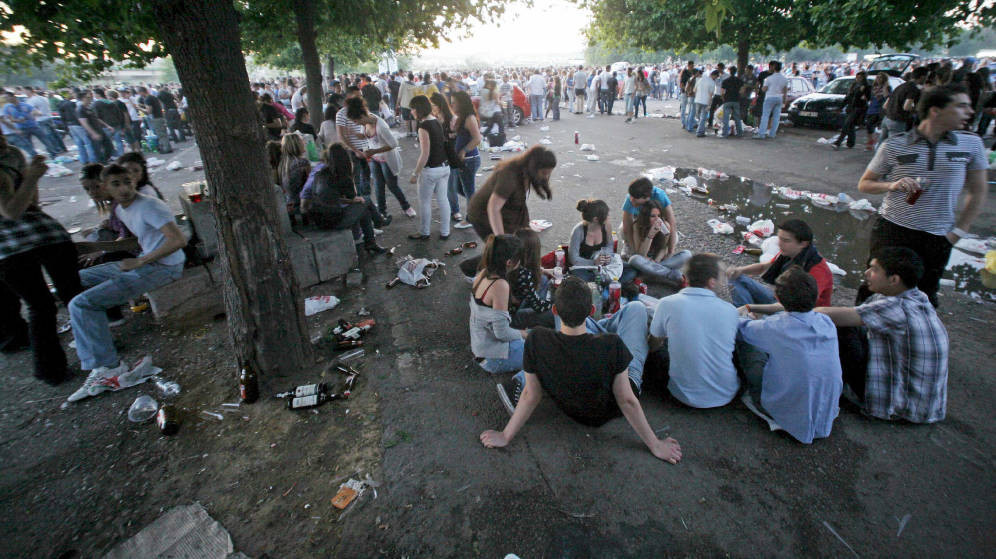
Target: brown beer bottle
248	385
168	419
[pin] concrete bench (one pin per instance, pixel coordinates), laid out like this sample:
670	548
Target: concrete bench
316	256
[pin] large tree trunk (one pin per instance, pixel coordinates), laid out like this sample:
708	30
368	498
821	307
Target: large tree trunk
304	13
743	55
265	309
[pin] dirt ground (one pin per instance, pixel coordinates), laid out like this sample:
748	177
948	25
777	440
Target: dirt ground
76	481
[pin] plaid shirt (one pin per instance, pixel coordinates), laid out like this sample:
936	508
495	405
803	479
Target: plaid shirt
907	358
34	228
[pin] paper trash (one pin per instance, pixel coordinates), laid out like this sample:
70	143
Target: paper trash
315	305
587	147
719	227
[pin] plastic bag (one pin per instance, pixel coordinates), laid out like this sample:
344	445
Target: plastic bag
411	271
769	250
862	205
613	270
56	170
174	166
315	305
587	147
719	227
660	173
593	157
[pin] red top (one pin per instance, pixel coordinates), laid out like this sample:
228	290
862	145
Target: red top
824	283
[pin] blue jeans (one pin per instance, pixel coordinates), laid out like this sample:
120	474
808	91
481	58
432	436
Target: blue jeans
630	324
108	286
653	270
25	145
685	102
628	98
46	139
49	129
84	144
462	183
697	118
511	363
381	175
770	112
536	103
745	290
117	136
361	175
732	109
891	128
628	274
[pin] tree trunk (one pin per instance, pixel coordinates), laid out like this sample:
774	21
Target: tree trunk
264	304
304	13
329	73
743	55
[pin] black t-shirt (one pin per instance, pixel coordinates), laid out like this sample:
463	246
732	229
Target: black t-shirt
760	83
268	113
577	371
82	111
154	106
686	75
437	142
109	112
894	110
371	94
67	111
731	89
303	127
166	98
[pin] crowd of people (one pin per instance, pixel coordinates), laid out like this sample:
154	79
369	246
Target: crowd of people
780	340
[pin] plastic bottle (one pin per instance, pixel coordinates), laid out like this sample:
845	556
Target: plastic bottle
248	385
167	387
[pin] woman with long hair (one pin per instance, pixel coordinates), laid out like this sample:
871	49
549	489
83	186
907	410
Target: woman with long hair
467	136
302	122
383	155
327	134
529	281
496	345
643	89
650	258
432	171
330	200
134	162
591	242
293	171
880	93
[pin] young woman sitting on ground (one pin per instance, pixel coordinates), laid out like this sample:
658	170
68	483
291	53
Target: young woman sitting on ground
529	305
496	345
650	256
591	243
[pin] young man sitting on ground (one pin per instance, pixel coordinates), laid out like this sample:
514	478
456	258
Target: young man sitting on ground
894	348
699	329
590	369
790	362
795	243
114	283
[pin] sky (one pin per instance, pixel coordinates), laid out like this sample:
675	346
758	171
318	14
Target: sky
523	34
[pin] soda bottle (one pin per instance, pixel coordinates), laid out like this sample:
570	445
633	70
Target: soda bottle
248	385
308	401
615	292
577	137
168	419
344	387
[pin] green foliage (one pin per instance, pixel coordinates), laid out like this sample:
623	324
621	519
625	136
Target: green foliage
89	35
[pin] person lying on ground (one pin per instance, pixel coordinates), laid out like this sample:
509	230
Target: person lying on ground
592	245
651	257
894	348
640	191
699	330
587	369
114	283
496	345
790	360
795	245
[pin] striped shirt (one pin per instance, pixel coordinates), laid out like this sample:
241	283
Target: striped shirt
945	164
907	358
354	136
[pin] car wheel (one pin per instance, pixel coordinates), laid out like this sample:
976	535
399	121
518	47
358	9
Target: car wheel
520	116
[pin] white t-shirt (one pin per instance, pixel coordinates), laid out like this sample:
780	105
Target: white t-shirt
776	84
144	218
629	86
705	88
537	85
297	101
603	79
580	79
129	103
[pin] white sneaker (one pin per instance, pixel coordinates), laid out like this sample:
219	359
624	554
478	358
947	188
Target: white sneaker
410	212
99	380
378	231
462	225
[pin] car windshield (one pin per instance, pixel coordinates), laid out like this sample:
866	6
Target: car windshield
894	64
837	87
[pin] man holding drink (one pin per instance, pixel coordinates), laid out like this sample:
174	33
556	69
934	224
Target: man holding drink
922	173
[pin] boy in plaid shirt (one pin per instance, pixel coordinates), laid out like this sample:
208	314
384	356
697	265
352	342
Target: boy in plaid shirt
894	348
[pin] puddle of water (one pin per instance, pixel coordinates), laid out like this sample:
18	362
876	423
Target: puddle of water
841	235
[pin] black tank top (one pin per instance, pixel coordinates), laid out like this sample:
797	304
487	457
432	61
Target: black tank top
437	146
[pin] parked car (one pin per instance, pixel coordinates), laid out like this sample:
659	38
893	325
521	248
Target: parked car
521	102
797	87
892	64
825	107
